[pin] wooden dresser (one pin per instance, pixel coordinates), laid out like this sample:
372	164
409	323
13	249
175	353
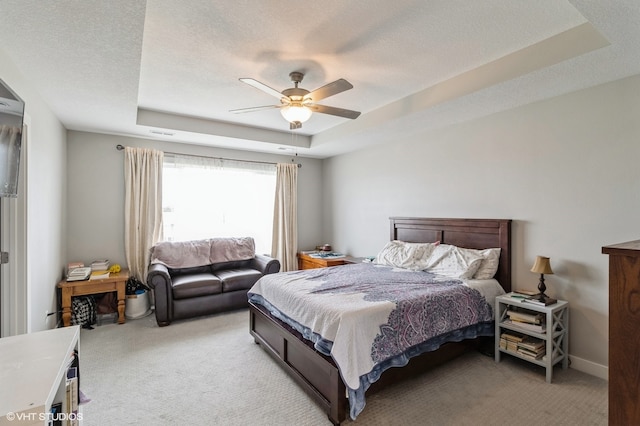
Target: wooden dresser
624	329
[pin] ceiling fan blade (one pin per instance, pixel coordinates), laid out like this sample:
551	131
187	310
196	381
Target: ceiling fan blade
340	112
252	109
263	87
330	89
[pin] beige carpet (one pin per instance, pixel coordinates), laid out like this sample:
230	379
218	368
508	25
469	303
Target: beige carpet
208	371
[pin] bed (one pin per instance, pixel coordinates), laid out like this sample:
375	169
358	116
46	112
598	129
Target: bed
301	352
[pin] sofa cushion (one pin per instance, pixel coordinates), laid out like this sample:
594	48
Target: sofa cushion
195	285
238	279
237	264
188	271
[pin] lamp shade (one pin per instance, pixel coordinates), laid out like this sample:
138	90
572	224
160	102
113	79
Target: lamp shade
293	113
542	266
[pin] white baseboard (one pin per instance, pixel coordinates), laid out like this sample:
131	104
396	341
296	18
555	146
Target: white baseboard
589	367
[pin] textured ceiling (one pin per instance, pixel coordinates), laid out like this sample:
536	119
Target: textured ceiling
169	69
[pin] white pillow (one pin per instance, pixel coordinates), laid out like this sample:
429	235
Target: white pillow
489	265
453	261
400	254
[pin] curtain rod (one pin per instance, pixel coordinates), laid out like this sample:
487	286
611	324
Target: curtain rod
121	147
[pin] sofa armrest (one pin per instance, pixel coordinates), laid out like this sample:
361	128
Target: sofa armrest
159	280
158	276
265	264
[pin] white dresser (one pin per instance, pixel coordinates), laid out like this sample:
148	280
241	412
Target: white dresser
33	370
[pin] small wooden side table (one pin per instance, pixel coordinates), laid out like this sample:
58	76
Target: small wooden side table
308	262
116	282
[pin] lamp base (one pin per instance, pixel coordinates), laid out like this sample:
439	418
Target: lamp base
541	299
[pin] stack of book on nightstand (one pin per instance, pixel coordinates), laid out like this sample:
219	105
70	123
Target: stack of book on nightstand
530	347
527	346
509	341
528	320
536	300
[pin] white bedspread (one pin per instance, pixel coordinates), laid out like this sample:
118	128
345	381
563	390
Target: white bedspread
335	317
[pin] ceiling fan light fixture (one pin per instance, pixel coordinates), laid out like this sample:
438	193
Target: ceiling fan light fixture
293	113
297	104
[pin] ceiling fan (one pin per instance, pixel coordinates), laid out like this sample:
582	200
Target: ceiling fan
297	104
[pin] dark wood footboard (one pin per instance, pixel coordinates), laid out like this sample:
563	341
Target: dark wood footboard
317	374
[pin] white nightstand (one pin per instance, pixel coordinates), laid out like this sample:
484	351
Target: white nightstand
553	335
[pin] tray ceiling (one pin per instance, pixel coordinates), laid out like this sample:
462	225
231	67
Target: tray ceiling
169	70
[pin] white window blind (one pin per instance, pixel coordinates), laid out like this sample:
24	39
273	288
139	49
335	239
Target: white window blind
210	197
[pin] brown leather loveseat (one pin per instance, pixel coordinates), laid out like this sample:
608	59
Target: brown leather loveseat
201	277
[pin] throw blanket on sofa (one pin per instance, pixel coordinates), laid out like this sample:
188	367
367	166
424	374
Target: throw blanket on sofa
369	318
188	254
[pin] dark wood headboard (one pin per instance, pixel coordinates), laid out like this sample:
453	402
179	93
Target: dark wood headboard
468	233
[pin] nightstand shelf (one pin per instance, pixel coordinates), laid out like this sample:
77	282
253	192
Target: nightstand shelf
555	336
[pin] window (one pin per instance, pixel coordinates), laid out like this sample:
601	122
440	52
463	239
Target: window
208	197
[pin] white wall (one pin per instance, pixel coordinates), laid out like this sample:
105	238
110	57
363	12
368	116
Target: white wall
96	191
565	170
43	168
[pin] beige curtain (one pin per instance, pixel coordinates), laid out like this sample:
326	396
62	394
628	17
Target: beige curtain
285	217
142	207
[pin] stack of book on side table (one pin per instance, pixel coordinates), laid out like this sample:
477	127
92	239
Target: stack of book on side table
99	269
100	265
78	274
527	346
98	275
527	320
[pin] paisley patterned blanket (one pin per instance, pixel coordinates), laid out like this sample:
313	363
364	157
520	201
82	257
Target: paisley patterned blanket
369	318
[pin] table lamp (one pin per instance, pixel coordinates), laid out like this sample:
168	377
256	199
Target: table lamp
542	266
